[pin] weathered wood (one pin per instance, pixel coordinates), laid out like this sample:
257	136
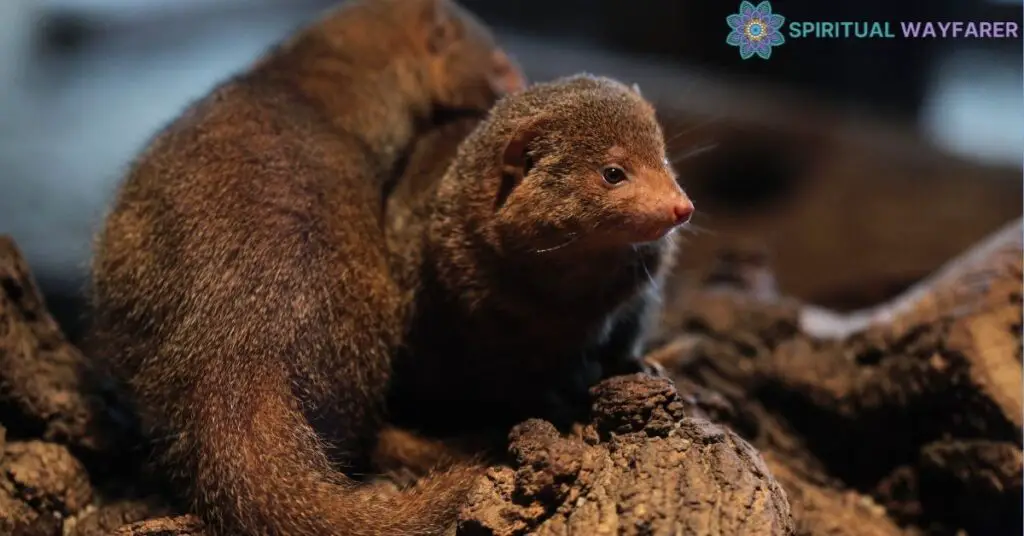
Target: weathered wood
921	387
186	525
48	389
58	432
642	466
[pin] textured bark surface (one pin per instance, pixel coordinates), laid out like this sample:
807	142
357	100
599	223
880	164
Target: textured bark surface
820	509
779	418
47	389
67	455
642	466
916	402
185	525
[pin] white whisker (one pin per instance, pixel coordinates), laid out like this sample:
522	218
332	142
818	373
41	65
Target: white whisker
694	127
696	229
696	151
572	238
650	278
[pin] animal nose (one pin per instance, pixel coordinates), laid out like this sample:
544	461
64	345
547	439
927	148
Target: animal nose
682	210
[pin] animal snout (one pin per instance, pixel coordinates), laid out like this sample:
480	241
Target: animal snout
682	210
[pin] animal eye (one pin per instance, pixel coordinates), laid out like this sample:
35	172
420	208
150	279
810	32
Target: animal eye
614	175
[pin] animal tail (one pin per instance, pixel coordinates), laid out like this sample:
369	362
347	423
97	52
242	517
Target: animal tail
258	467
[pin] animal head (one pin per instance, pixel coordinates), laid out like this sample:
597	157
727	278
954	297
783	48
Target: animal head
582	166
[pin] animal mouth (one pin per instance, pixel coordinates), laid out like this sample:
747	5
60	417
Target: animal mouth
652	234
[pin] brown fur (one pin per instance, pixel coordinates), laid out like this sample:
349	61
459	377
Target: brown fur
241	286
537	276
409	205
407	456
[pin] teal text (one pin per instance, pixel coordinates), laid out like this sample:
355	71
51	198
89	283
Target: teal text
841	30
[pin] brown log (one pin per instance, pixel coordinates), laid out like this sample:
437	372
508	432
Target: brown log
822	510
48	389
40	484
59	432
642	466
186	525
104	519
937	370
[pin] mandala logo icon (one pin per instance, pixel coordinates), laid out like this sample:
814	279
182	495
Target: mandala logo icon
755	30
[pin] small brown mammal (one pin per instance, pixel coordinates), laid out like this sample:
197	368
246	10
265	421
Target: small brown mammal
546	245
240	285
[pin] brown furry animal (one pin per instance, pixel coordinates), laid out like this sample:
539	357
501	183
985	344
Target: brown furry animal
409	205
541	256
240	285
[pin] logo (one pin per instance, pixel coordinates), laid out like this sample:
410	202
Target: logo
755	30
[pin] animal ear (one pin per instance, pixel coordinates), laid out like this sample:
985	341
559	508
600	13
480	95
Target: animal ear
440	24
515	159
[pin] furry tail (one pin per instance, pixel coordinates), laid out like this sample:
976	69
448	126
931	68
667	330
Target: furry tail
258	468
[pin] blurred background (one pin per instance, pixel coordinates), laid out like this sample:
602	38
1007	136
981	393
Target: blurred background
861	165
